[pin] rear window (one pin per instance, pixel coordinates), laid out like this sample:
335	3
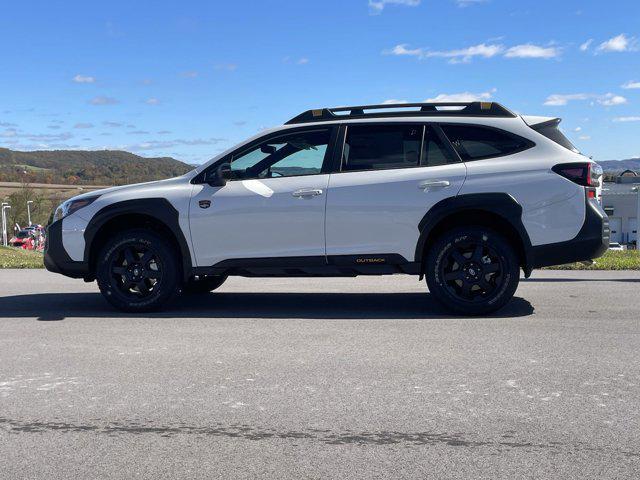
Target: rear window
377	147
553	132
476	143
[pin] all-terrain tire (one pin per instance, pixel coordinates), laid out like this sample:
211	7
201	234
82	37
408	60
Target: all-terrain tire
138	271
472	270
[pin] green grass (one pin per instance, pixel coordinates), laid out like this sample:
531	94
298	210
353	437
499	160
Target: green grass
611	260
11	257
626	260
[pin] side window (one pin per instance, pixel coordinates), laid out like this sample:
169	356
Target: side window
300	153
476	143
434	151
376	147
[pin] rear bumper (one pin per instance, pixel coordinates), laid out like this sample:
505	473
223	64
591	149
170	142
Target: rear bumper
56	258
591	242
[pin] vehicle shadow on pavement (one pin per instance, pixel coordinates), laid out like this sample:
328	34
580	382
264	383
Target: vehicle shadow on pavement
58	306
564	279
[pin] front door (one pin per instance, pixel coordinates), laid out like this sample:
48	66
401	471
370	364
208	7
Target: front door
391	175
274	205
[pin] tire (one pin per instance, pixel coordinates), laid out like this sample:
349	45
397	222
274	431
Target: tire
204	284
137	271
472	271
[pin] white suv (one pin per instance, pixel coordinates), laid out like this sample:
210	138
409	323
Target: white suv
464	194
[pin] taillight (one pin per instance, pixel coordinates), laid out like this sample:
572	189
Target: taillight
579	173
585	174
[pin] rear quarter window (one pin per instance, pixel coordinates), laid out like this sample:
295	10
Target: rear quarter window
477	143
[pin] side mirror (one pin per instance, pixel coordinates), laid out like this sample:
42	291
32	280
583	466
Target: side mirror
219	177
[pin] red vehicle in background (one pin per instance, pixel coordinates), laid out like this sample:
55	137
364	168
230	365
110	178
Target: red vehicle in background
20	238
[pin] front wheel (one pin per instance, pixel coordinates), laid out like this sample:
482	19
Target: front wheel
137	271
472	271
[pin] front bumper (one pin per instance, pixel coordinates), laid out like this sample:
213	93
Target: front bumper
591	242
56	258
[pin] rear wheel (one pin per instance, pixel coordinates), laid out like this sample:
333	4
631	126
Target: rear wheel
137	271
472	270
204	284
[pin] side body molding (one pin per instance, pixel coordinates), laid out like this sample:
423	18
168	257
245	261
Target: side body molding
159	209
502	205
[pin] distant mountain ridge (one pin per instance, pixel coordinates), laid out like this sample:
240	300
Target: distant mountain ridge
86	167
617	166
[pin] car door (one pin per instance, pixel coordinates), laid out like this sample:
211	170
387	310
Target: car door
273	205
390	176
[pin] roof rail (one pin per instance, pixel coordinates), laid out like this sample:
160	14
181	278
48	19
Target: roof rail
457	109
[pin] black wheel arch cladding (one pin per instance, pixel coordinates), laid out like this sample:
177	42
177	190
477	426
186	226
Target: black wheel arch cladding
502	205
159	209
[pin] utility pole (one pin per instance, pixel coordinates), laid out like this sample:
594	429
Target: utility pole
5	206
29	202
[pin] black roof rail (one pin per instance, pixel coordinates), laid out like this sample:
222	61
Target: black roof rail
456	109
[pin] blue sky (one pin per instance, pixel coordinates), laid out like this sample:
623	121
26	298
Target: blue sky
191	78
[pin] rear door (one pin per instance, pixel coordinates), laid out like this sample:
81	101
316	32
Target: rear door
389	177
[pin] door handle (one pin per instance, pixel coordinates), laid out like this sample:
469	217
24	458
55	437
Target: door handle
432	184
307	192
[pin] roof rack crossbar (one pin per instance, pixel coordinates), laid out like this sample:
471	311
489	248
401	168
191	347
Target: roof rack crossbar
469	109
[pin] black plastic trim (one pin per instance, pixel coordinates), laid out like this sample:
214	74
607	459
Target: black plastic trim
158	208
313	266
591	242
501	204
56	258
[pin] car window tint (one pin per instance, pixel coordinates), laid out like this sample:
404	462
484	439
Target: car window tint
376	147
300	153
475	143
434	152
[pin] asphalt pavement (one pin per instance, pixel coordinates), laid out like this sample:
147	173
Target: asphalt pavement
321	378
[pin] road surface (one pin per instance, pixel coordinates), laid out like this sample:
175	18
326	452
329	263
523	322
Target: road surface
321	378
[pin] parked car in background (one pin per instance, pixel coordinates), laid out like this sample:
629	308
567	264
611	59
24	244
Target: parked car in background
20	239
615	246
462	194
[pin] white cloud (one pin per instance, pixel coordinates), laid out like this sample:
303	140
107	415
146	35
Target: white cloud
467	3
557	100
482	50
529	50
577	129
626	119
620	43
584	137
631	85
83	125
455	56
585	46
303	61
610	100
84	79
402	49
462	97
152	101
190	74
391	101
607	100
376	6
102	100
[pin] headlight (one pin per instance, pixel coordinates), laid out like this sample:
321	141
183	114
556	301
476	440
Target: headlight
70	206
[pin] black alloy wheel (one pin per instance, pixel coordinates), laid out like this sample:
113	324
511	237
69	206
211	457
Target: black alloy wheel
137	271
472	270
